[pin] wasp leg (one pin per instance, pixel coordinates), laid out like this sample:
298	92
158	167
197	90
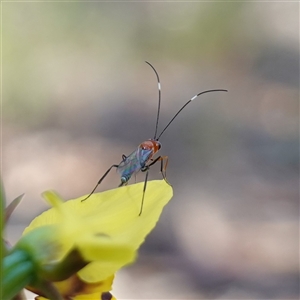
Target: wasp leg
163	166
153	161
144	190
134	177
124	157
99	182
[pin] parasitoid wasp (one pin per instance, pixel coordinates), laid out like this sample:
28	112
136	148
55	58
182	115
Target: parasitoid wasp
142	159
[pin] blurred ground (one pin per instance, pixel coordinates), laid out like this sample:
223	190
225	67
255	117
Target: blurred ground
76	95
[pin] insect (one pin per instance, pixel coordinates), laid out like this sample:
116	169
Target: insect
142	159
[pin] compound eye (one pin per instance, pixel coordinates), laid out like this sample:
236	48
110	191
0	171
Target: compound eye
144	146
159	145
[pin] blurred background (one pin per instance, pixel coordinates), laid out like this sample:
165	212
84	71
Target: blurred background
77	95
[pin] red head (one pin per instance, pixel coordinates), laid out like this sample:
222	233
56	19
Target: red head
151	145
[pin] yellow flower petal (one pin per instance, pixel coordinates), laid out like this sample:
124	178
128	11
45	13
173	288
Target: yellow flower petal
106	228
95	296
75	288
86	297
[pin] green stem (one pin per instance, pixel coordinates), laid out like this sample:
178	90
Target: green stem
20	296
70	265
48	289
18	272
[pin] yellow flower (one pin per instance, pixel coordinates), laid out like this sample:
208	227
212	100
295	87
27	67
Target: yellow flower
101	235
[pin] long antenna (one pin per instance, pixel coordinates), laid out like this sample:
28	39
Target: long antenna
193	98
159	98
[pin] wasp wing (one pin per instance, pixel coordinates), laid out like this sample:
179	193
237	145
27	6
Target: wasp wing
134	162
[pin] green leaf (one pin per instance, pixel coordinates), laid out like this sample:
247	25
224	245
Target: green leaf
17	273
11	207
